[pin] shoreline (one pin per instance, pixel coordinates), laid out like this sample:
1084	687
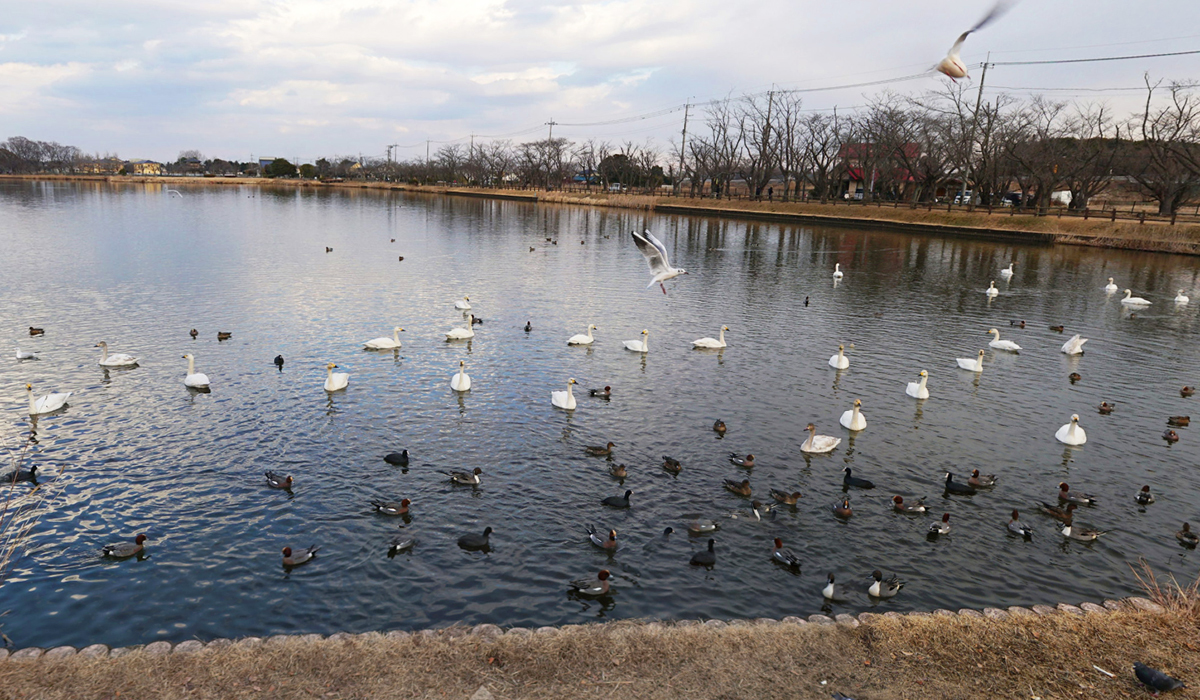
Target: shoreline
1156	237
1041	651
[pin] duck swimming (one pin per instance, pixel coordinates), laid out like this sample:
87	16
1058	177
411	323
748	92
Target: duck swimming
1106	408
1079	533
617	501
1017	527
1186	537
1083	499
470	478
672	465
842	510
850	480
785	497
884	587
941	527
1178	421
391	507
953	486
900	506
785	556
706	557
124	550
604	393
592	587
597	451
1187	391
746	462
618	470
1170	435
277	482
609	543
740	488
302	557
719	427
835	592
1144	497
1058	512
981	481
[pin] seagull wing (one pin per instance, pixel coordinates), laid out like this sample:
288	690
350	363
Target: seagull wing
998	10
954	50
656	255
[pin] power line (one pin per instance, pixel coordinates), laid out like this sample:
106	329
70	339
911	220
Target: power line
1099	46
1093	60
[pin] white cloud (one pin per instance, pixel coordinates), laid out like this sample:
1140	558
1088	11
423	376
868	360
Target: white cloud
321	77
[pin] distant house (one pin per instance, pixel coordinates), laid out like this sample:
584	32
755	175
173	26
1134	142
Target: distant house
143	167
101	166
264	162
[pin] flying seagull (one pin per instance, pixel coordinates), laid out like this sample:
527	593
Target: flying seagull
656	258
952	65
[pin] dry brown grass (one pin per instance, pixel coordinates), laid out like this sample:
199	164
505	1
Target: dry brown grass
914	657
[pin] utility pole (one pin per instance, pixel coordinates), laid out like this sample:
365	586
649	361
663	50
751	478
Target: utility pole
549	145
683	147
426	153
974	124
766	154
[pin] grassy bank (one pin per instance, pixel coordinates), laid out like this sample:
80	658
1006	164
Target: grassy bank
1155	236
926	657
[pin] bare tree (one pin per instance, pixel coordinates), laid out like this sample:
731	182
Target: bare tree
825	135
1166	163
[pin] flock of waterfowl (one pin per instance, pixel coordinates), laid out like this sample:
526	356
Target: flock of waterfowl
853	420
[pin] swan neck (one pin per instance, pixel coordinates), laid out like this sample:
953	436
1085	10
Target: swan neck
396	335
722	336
32	405
590	333
328	372
104	353
191	365
923	380
570	394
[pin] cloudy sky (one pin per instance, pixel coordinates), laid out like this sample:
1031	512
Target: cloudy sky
311	78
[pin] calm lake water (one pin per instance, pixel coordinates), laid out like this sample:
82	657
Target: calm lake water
138	267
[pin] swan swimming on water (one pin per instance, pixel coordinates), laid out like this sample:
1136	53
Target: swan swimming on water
818	443
991	290
1071	433
642	345
462	333
461	381
45	404
1111	286
463	304
1181	298
713	343
564	399
1131	300
975	365
193	378
335	381
26	354
1002	344
581	339
1074	346
840	361
837	271
385	343
854	419
1008	271
917	390
117	359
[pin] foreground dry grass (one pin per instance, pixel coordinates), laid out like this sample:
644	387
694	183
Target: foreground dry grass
911	657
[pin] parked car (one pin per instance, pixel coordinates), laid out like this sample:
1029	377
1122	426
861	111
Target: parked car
1011	199
964	197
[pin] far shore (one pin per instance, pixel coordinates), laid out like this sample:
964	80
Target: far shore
1000	224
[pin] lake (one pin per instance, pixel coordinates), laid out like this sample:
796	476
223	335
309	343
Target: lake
138	267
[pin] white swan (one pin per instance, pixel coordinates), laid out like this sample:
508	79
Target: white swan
1181	298
46	404
642	345
117	359
712	342
385	343
564	399
917	390
26	354
1008	271
581	339
1074	346
335	381
462	380
462	333
819	443
1111	286
1132	300
463	304
840	361
972	365
194	379
1071	433
837	271
1002	344
854	419
991	290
